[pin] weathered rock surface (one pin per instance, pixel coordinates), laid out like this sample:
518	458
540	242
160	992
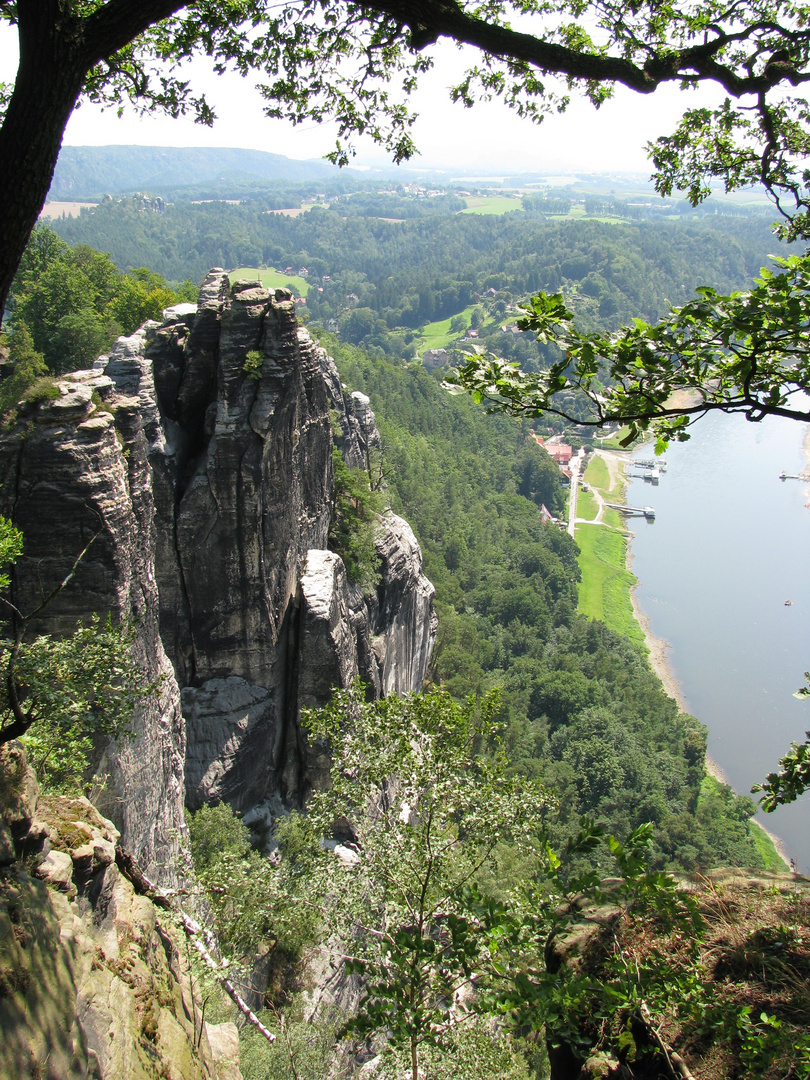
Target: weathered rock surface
404	621
93	982
328	645
208	490
243	483
75	470
233	742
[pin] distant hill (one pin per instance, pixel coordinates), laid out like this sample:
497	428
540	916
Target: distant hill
89	172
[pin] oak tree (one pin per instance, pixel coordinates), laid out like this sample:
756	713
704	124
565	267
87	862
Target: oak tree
329	59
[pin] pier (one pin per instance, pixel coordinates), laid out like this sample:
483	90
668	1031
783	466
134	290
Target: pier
657	464
633	511
803	476
651	477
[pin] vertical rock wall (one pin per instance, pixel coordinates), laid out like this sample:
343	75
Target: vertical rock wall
209	488
71	473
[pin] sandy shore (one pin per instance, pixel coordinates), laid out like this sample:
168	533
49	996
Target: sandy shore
658	662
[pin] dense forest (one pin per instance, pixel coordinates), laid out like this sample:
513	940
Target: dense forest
70	304
579	726
378	281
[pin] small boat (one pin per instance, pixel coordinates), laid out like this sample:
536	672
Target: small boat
788	603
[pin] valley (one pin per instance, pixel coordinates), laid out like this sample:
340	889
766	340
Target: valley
291	500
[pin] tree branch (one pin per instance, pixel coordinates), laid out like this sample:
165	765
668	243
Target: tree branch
194	930
119	22
429	22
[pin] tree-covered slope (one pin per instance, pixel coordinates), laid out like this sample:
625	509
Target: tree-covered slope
411	272
584	710
84	172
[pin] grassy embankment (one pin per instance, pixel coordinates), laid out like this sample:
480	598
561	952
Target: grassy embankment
271	279
437	335
605	590
605	595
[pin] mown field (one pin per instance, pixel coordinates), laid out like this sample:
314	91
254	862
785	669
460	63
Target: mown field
604	592
492	204
271	279
437	335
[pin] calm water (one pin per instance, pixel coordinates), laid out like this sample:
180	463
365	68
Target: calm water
731	543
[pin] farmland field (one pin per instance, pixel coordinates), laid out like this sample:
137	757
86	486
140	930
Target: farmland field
271	279
491	204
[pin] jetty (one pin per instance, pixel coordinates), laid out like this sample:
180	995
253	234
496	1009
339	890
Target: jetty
803	476
658	464
633	511
652	476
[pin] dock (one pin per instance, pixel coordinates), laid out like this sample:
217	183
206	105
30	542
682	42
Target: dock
652	476
803	476
658	464
633	511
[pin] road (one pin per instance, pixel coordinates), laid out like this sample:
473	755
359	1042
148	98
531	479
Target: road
615	464
575	465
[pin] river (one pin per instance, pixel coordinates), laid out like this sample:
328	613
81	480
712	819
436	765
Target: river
729	545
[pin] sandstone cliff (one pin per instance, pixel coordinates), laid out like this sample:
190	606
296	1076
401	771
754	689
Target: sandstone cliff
94	982
210	489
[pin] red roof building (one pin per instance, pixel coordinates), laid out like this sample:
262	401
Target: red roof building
561	452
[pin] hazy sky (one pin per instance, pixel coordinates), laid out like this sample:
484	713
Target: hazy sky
487	136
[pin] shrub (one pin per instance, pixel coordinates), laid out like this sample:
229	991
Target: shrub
355	524
253	365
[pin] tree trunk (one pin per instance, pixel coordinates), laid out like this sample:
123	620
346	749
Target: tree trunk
57	50
52	68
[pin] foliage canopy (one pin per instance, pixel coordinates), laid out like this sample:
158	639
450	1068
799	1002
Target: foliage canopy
69	305
326	60
60	694
416	786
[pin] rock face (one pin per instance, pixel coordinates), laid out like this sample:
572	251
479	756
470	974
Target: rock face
93	983
200	453
73	472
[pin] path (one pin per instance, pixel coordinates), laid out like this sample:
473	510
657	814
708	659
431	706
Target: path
614	464
574	465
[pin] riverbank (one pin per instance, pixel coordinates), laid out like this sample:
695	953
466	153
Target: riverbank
613	579
601	533
658	649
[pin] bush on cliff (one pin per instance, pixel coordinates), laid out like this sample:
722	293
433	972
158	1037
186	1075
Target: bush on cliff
355	524
59	695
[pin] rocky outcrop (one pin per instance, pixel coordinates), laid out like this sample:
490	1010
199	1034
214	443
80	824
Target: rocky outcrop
404	621
74	472
198	454
93	979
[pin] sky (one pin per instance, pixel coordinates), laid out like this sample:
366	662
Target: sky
487	138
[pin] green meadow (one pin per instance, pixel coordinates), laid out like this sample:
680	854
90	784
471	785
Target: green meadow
437	335
491	204
271	279
604	593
